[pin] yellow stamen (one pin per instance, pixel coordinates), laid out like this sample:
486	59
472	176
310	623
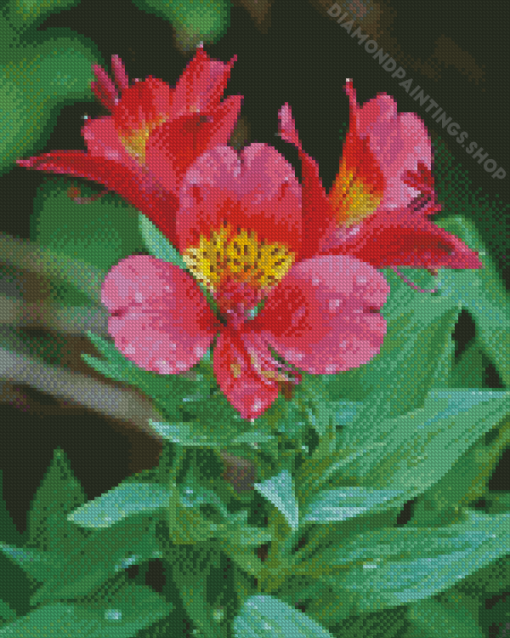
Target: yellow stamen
239	256
136	141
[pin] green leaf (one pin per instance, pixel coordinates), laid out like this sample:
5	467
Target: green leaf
119	616
194	434
41	566
344	503
395	566
435	620
99	232
36	79
421	446
59	494
6	612
482	293
263	616
469	370
103	554
279	491
195	573
157	244
170	392
120	502
412	359
194	20
25	13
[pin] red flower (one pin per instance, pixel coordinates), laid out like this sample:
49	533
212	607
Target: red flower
153	134
239	230
378	206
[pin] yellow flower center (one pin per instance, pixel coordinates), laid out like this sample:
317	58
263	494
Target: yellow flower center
136	141
239	256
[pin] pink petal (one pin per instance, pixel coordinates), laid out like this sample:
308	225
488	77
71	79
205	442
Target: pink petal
398	142
323	317
257	192
159	319
201	86
102	140
245	389
401	237
173	146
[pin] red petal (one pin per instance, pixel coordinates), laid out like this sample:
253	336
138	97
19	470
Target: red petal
142	193
202	84
322	317
242	385
402	238
257	192
317	213
175	145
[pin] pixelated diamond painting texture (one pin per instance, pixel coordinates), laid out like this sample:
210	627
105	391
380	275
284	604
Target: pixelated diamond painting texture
254	319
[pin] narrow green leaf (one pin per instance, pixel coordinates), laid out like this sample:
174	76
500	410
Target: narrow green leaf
469	370
193	20
120	502
279	490
59	494
195	434
39	565
347	502
265	616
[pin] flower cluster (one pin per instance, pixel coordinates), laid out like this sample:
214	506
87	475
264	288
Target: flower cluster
292	270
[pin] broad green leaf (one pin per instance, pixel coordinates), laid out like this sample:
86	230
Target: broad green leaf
7	614
24	13
482	293
465	482
99	232
395	566
194	20
157	244
279	490
119	616
411	360
264	616
37	79
436	620
103	554
347	502
59	493
421	446
120	502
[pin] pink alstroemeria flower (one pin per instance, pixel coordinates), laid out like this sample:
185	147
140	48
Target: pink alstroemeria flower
153	134
239	231
377	208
